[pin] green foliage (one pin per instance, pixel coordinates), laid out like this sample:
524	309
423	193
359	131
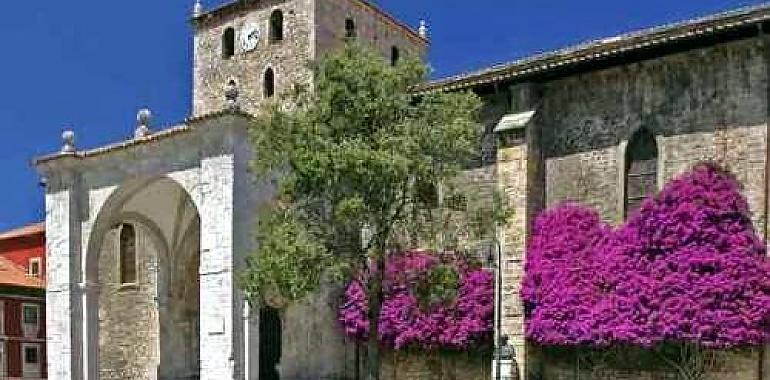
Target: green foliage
351	153
291	260
440	286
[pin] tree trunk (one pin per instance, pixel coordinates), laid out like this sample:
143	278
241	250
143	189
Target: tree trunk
375	304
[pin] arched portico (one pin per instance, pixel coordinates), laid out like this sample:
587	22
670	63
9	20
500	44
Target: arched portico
181	190
147	326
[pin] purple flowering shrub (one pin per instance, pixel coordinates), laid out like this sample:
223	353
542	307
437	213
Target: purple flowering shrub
688	267
406	320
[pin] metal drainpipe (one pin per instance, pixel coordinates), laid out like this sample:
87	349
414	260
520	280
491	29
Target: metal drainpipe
498	309
766	206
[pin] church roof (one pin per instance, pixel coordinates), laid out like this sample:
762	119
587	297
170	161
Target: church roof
240	5
605	50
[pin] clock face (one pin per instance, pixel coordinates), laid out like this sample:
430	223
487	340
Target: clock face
250	37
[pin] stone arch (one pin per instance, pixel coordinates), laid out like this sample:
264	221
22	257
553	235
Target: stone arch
165	329
119	195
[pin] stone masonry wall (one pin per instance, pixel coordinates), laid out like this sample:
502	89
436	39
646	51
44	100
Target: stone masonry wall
726	365
314	345
512	171
179	307
709	104
128	315
706	104
289	58
311	28
435	366
371	27
519	168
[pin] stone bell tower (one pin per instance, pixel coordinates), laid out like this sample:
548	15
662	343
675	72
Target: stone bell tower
264	47
146	236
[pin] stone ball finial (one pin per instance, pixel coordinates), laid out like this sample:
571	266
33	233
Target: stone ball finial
423	30
143	118
197	8
68	138
231	96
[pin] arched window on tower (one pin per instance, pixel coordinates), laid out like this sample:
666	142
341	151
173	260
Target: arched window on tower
228	43
276	26
127	236
350	28
395	55
269	83
641	178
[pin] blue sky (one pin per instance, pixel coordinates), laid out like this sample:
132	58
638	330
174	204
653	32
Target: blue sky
90	64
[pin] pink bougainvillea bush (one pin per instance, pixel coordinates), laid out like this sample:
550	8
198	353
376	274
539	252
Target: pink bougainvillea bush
418	311
687	267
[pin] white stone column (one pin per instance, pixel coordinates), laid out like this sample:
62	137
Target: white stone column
217	295
251	342
89	299
63	252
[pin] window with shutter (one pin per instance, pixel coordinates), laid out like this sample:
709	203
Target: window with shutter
641	169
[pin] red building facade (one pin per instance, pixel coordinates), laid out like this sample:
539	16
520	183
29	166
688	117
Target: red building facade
22	303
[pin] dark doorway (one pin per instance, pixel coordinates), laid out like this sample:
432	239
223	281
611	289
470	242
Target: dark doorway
270	347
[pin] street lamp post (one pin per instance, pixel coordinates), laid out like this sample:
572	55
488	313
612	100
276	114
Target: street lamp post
504	353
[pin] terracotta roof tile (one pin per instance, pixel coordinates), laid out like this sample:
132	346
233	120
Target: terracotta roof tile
32	229
14	275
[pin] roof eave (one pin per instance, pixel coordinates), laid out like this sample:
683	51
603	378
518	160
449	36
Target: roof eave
602	49
185	127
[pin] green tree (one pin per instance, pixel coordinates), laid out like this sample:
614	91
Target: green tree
360	152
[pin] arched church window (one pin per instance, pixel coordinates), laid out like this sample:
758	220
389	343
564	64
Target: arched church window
395	55
228	43
276	26
269	83
270	343
350	28
641	179
127	254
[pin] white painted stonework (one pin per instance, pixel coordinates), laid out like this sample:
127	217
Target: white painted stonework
87	194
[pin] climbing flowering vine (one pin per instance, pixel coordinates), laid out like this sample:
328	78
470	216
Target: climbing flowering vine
430	302
687	267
